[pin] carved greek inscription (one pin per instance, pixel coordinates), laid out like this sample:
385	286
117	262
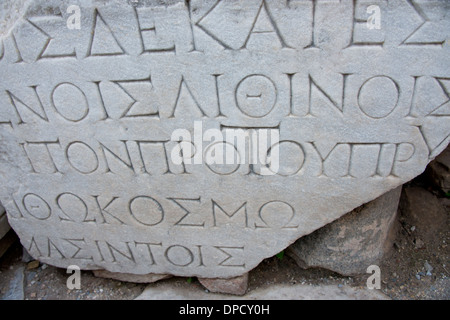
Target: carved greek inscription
360	23
104	212
153	157
230	260
146	210
300	102
148	34
137	253
150	212
186	220
51	49
135	86
70	102
276	214
34	107
262	24
216	209
36	207
314	87
19	58
73	208
80	245
185	99
103	41
425	16
256	96
364	160
387	100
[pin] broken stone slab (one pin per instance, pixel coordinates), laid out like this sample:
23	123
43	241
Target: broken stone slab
170	291
129	277
114	119
236	286
354	242
438	171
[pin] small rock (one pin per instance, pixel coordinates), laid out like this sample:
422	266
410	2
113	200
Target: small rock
33	295
44	266
236	286
418	276
352	243
428	267
33	265
413	228
419	244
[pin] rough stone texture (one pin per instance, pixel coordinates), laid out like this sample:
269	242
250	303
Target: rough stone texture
167	291
354	242
10	12
129	277
423	210
91	178
439	171
236	286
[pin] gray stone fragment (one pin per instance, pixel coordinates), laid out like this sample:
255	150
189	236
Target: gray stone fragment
352	243
236	286
428	267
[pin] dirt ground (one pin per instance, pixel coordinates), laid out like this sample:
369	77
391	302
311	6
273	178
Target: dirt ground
416	268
